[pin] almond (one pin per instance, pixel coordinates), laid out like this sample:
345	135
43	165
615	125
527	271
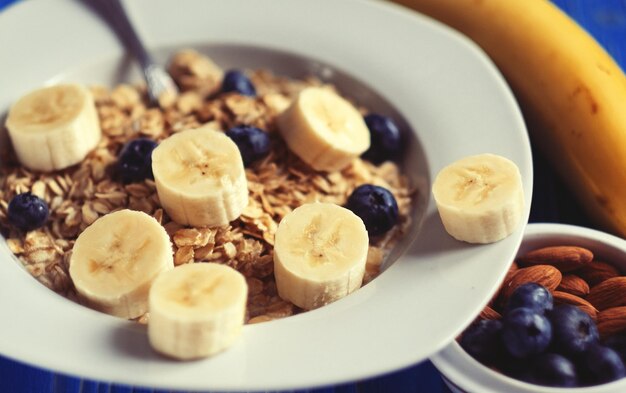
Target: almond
489	313
512	269
609	293
596	272
564	258
573	284
567	298
611	321
546	275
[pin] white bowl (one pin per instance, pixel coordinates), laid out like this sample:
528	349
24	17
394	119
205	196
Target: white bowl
453	101
462	373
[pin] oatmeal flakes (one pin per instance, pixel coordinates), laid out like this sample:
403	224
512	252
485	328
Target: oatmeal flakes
201	253
230	250
255	286
260	319
125	97
183	255
15	245
89	214
192	237
277	184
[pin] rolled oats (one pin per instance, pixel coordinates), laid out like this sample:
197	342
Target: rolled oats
77	196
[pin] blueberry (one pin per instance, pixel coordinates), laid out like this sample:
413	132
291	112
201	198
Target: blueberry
551	369
236	81
602	364
525	332
27	211
134	163
482	341
531	295
385	139
253	143
618	344
574	330
376	206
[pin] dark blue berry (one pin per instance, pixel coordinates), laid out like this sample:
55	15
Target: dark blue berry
385	139
134	163
552	369
253	143
618	344
525	332
482	341
236	81
27	211
573	330
531	295
376	206
602	364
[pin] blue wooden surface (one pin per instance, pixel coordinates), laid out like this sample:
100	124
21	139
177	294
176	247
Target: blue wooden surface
606	20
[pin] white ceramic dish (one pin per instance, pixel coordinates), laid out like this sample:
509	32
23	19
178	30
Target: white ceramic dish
449	94
464	374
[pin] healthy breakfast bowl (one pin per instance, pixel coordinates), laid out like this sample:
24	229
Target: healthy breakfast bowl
583	287
447	97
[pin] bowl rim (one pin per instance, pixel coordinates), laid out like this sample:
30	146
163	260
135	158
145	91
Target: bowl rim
117	351
465	372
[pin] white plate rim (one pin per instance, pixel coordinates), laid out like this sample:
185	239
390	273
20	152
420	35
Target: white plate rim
363	346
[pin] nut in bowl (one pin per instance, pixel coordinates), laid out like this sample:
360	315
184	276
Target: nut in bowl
560	269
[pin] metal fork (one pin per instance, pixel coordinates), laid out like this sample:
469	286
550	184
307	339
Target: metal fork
158	81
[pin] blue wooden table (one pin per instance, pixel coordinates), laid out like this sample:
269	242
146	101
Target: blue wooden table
606	20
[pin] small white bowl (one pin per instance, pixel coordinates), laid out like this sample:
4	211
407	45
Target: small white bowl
462	373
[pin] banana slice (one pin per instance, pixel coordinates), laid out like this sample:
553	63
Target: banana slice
480	198
323	129
115	260
196	310
54	127
319	254
200	178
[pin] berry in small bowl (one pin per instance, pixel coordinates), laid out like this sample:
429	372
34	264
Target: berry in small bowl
584	351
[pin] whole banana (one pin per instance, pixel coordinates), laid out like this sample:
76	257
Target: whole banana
572	93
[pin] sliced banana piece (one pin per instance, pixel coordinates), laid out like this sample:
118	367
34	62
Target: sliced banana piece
200	177
323	129
54	127
115	260
320	252
196	310
480	198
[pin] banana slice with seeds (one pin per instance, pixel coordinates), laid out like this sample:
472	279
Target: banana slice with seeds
323	129
200	177
54	127
196	310
319	254
115	260
480	198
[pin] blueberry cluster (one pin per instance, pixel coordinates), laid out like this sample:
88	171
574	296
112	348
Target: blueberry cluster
544	344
